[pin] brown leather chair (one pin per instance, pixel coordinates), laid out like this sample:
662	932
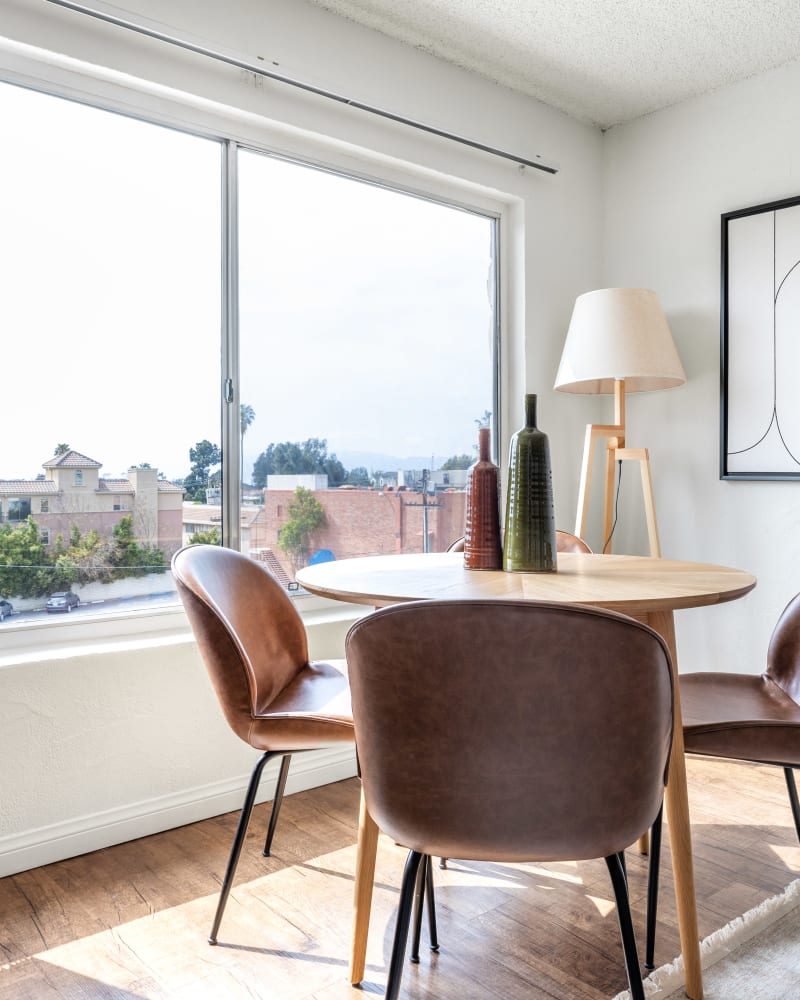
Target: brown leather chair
545	738
746	717
565	542
254	645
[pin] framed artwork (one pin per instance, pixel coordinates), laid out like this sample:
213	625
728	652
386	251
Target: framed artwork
760	349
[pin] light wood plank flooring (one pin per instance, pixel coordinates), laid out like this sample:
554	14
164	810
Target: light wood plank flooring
130	922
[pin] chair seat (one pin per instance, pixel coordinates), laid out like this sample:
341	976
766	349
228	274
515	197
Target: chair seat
739	716
312	711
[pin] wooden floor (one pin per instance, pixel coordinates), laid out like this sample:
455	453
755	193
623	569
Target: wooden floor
130	922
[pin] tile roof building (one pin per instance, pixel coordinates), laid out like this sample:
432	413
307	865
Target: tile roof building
71	494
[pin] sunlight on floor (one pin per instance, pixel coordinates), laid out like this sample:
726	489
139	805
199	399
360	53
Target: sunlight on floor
790	856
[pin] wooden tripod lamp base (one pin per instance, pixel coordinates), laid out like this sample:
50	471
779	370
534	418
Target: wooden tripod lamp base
614	436
617	337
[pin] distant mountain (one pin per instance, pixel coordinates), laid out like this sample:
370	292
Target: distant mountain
375	461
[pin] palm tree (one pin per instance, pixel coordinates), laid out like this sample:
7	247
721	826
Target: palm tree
246	416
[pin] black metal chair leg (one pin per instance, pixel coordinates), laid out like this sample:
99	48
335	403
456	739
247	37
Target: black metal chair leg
431	900
652	889
403	920
788	773
419	899
424	894
238	840
277	800
617	873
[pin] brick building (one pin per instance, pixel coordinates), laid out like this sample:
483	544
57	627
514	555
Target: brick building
360	522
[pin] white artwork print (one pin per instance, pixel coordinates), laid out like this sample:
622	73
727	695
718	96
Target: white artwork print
761	344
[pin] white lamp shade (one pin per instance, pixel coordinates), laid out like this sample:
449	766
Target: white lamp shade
619	333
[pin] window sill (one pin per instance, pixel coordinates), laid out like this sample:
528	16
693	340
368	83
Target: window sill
131	630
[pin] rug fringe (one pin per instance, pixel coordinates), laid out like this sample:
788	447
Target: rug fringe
668	978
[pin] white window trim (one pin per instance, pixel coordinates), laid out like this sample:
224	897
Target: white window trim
67	77
30	642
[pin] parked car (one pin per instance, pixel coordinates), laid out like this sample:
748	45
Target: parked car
62	600
6	608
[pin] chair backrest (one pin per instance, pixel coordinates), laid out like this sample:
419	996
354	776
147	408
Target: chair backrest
565	542
783	655
494	730
249	633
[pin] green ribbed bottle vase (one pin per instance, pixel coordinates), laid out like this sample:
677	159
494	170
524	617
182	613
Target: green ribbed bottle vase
529	541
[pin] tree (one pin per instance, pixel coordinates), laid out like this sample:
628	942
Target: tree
306	514
304	458
457	462
128	558
359	476
246	416
84	561
62	449
210	537
203	456
24	567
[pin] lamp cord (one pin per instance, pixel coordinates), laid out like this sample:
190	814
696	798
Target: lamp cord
607	542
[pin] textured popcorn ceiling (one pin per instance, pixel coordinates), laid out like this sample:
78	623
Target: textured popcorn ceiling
602	61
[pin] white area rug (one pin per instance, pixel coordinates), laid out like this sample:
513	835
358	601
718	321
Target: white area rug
755	957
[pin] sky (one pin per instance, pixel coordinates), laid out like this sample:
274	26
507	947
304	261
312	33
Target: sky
364	313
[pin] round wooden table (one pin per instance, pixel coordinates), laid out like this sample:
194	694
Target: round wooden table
646	588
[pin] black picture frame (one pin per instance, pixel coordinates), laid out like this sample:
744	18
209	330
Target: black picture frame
760	342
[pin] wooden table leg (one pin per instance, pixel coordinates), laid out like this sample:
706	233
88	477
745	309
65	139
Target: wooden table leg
677	803
362	892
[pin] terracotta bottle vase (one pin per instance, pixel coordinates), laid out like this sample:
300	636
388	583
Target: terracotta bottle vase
482	548
529	541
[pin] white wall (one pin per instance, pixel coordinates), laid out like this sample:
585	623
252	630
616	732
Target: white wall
107	739
668	178
100	741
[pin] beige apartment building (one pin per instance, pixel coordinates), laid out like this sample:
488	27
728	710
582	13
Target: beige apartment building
71	492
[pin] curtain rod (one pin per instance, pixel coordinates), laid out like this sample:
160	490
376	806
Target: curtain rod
254	68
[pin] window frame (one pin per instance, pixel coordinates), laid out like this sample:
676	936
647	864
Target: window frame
15	504
232	128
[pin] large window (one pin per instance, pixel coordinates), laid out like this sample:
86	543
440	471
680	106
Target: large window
110	259
357	336
367	346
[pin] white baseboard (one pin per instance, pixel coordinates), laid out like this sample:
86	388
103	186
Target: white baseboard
44	845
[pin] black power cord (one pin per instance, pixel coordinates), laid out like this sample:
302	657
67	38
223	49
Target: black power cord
607	542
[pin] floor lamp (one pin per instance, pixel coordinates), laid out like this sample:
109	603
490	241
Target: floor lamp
618	341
